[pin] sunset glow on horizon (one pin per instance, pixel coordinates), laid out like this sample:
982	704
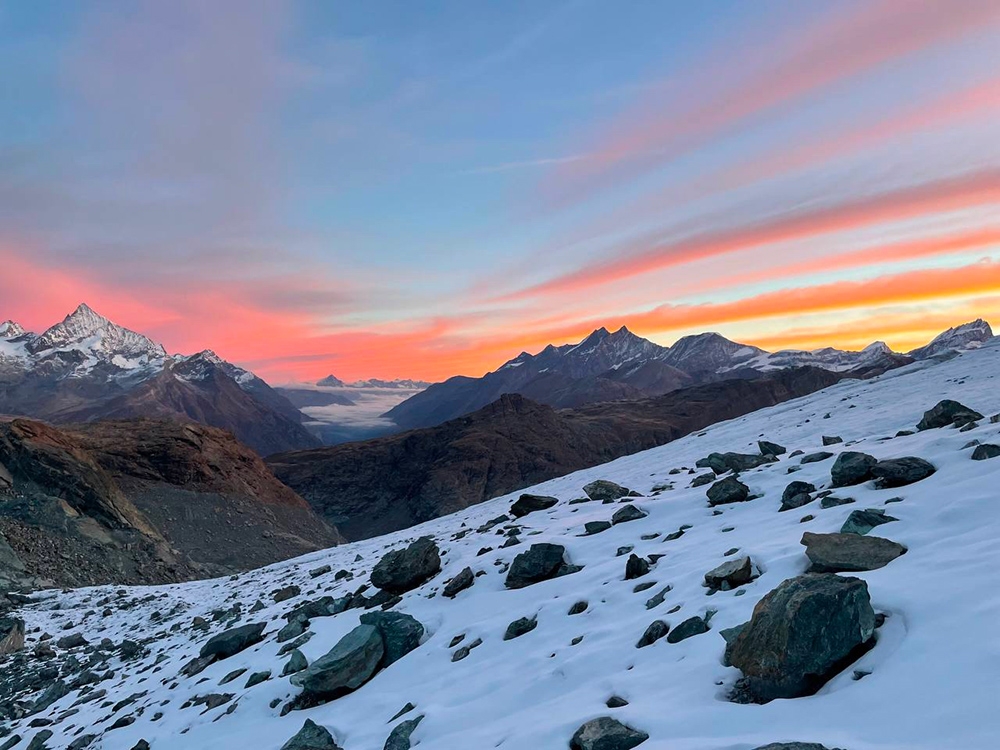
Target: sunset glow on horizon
310	188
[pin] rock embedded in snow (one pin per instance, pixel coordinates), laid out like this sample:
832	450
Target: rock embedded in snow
985	451
767	448
654	632
285	593
231	642
541	562
720	463
800	635
832	439
606	733
296	663
689	628
728	490
603	490
731	574
595	527
863	521
702	479
814	458
627	513
311	737
946	413
399	737
899	472
529	503
845	553
459	583
796	494
347	666
401	633
405	569
852	467
519	627
635	567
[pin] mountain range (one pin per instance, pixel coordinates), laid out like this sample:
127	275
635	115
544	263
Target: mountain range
618	366
88	368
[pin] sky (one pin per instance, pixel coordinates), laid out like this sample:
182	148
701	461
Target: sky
399	189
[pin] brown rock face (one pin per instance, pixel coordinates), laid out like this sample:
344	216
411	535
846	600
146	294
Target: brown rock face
142	501
382	485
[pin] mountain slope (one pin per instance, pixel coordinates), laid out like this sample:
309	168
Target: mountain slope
87	367
380	485
622	366
926	684
141	501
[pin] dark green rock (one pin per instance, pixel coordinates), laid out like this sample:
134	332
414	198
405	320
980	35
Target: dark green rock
401	633
948	412
519	627
232	641
347	666
405	569
690	627
728	490
311	737
399	737
839	553
606	733
863	521
899	472
852	467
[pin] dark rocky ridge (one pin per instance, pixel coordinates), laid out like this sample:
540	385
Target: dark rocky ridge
141	501
391	483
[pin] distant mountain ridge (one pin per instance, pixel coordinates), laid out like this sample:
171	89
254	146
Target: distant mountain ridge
617	366
332	381
86	367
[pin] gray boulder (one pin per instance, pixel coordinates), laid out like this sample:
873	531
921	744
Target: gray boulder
401	633
863	521
528	503
795	495
635	567
728	490
690	627
405	569
232	641
948	412
596	527
654	632
399	737
841	553
519	627
814	458
311	737
800	635
347	666
720	463
296	663
767	448
832	439
852	467
627	513
541	562
731	574
606	733
984	451
602	490
899	472
459	583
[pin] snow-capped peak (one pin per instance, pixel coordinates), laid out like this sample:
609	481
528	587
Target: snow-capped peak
965	336
10	330
86	330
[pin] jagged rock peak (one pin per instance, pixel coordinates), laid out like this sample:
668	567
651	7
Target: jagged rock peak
87	329
10	330
965	336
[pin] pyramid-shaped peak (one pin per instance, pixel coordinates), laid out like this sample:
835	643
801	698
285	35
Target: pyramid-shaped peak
87	330
10	330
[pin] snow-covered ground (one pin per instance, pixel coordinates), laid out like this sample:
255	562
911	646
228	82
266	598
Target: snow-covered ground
934	669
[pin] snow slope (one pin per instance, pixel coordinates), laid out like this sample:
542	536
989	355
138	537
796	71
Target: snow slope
933	671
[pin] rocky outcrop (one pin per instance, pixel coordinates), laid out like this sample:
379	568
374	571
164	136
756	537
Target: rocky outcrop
838	553
508	445
948	413
800	635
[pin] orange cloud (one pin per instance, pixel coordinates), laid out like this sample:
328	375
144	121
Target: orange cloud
965	191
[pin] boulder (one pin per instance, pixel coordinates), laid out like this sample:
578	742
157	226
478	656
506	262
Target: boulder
399	737
899	472
852	467
528	503
405	569
459	583
728	490
702	479
11	634
602	490
654	632
690	627
345	667
401	633
311	737
832	439
296	663
232	641
519	627
731	574
720	463
948	412
863	521
627	513
801	634
816	457
767	448
984	451
635	567
285	593
606	733
596	527
795	495
540	562
841	553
